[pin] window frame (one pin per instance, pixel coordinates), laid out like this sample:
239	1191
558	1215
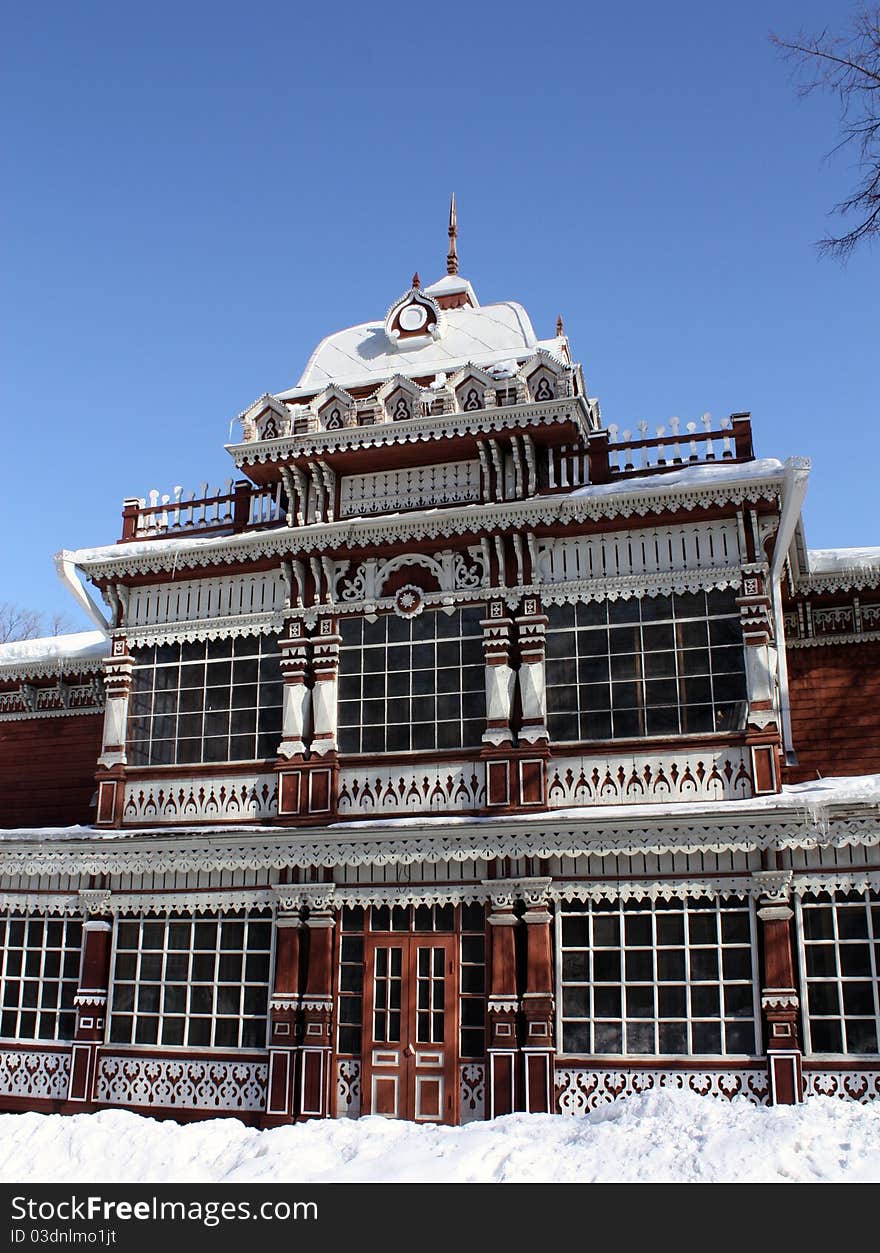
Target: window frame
62	982
585	909
870	898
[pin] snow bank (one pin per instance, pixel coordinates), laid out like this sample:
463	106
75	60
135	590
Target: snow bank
654	1137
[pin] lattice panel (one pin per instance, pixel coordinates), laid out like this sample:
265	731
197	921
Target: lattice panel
579	1091
847	1085
472	1092
451	786
185	1084
655	778
419	487
26	1072
238	798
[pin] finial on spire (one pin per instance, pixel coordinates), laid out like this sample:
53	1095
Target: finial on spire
560	329
452	254
417	282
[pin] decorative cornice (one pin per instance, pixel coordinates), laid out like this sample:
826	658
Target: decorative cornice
817	641
555	835
649	497
206	629
414	430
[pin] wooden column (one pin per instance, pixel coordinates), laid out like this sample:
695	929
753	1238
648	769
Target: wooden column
283	1010
531	628
90	1001
763	718
503	1047
316	1048
779	999
308	779
500	685
294	664
537	1002
110	775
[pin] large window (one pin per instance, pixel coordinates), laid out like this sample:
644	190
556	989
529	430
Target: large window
412	683
840	969
202	983
40	970
211	701
660	665
665	977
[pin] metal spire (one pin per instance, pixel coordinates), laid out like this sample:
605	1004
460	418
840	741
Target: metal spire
452	254
560	328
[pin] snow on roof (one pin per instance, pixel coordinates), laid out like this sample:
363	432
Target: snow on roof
830	560
689	476
361	355
63	651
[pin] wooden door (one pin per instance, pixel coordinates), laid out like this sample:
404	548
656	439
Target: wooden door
410	1028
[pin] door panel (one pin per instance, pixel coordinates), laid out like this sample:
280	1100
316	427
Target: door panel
410	1044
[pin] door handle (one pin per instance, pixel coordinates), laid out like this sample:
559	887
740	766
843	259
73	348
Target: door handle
409	1051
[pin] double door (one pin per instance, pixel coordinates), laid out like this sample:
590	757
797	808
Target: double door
410	1028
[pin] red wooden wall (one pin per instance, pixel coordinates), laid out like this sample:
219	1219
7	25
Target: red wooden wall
835	710
47	770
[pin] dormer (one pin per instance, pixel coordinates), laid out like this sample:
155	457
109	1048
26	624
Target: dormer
267	418
415	320
401	399
334	408
545	377
474	389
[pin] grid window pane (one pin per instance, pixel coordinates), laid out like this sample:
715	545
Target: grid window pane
676	666
168	983
409	685
38	979
194	704
665	977
840	972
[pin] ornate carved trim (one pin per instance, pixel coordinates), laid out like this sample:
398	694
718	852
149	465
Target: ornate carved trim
234	797
186	1084
644	778
35	1073
348	1087
412	789
847	1085
206	629
578	1091
472	1092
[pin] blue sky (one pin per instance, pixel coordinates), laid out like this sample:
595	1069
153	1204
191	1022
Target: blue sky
197	193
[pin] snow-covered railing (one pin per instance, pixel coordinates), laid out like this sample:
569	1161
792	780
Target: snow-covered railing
615	454
234	506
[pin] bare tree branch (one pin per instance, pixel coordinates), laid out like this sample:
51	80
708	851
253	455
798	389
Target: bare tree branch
848	66
26	624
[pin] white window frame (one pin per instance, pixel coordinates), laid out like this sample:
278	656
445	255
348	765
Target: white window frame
839	978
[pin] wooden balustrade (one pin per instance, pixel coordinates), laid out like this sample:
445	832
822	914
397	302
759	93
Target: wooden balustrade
234	507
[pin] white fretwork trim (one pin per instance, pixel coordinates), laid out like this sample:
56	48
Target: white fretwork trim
567	835
418	487
205	600
209	629
712	775
185	1084
33	1073
155	556
836	881
426	789
578	1091
235	798
847	1085
348	1088
651	889
817	641
472	1092
702	546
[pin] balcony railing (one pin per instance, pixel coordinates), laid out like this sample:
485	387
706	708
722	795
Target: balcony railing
233	507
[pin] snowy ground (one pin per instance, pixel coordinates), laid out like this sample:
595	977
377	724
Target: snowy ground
658	1136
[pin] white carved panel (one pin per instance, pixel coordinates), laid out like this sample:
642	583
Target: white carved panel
191	600
185	1084
432	788
234	798
472	1092
418	487
688	546
847	1085
348	1088
649	778
26	1072
578	1091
